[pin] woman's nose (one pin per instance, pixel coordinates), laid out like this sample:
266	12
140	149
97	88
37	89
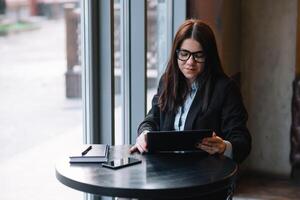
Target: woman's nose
191	60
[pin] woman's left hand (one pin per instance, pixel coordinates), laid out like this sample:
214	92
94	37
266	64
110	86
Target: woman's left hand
212	145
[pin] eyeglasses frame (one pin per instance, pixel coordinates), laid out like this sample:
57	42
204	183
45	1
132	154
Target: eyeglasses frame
190	54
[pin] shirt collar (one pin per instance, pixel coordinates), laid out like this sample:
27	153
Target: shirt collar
194	86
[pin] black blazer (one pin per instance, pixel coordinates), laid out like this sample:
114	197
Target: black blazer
226	115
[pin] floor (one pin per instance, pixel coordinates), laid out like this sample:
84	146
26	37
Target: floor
253	186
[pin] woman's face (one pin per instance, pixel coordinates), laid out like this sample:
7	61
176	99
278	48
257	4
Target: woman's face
191	59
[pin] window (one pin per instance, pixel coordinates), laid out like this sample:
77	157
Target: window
122	63
41	107
119	72
158	27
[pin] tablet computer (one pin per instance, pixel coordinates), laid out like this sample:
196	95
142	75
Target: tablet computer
176	141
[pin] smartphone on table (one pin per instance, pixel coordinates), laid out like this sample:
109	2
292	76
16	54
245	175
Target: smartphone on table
120	163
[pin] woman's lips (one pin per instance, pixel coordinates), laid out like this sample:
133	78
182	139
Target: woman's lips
190	69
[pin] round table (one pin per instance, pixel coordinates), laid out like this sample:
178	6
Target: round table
159	176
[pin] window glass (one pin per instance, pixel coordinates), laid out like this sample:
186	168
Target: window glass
118	68
156	44
41	107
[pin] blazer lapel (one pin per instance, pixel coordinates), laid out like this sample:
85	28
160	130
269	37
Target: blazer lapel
168	123
193	112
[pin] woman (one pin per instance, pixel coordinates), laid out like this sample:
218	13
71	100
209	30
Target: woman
194	93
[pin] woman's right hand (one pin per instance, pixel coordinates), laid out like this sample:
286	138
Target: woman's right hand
140	144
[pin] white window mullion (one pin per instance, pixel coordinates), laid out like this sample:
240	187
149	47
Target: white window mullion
125	57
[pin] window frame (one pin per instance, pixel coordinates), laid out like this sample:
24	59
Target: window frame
98	51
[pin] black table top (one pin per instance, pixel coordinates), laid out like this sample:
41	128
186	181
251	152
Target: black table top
158	176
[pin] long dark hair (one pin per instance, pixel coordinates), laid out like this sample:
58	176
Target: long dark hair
175	87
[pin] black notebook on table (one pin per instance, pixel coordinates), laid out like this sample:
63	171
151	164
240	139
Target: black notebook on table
176	141
96	153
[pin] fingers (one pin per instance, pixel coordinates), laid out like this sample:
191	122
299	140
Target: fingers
141	148
140	145
214	134
212	145
209	149
213	139
141	141
133	149
138	148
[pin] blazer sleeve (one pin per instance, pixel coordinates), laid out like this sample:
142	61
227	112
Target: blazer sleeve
234	122
152	119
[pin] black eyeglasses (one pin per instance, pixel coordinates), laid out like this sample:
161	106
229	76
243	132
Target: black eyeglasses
184	55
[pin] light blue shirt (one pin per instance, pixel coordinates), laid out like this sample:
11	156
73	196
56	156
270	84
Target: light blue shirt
184	109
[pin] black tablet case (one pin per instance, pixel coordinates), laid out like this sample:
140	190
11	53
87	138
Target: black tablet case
175	141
